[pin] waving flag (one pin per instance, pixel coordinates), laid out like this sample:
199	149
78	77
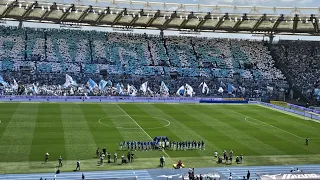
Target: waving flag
164	90
69	81
119	89
102	84
15	85
35	89
222	84
269	88
144	87
132	91
180	91
229	88
189	90
205	88
91	84
109	83
3	82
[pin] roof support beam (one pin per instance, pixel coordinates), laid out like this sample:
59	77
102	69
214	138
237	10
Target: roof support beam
29	10
9	8
102	15
295	23
48	12
173	15
185	21
276	24
84	14
66	13
221	21
261	19
141	13
202	21
153	18
122	13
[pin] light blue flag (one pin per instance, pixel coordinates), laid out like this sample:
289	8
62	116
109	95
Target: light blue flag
3	82
164	89
229	88
109	83
91	84
35	89
119	89
102	84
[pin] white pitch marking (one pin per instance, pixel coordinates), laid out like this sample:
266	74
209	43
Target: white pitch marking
274	127
119	127
140	127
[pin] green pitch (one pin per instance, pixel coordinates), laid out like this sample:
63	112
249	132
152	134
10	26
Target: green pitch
75	130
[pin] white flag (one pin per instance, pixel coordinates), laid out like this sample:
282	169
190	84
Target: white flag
189	90
69	81
15	85
180	91
132	91
144	87
205	88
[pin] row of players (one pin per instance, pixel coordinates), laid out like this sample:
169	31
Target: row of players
172	145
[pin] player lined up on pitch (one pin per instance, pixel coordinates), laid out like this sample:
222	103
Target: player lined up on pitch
159	145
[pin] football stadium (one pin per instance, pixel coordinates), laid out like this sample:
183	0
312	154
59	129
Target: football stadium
158	90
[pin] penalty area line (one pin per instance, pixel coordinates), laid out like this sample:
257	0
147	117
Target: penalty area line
140	128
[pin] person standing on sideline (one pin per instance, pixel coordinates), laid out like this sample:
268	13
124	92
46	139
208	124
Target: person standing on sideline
78	165
115	157
60	161
162	161
47	157
248	175
307	141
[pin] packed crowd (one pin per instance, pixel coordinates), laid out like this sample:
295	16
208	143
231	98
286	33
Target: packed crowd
134	59
300	60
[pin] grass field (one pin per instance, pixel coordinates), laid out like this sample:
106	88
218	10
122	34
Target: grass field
74	131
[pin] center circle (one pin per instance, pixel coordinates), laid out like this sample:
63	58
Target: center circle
120	127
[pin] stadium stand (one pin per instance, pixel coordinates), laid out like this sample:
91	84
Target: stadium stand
136	58
300	61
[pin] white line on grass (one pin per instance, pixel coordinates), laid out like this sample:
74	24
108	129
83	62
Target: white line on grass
269	125
273	126
140	128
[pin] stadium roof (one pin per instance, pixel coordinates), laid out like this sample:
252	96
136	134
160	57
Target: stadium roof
173	16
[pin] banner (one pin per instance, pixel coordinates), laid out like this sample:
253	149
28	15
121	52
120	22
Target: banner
279	103
290	176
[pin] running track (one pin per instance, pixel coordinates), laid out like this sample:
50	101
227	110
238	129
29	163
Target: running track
237	173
